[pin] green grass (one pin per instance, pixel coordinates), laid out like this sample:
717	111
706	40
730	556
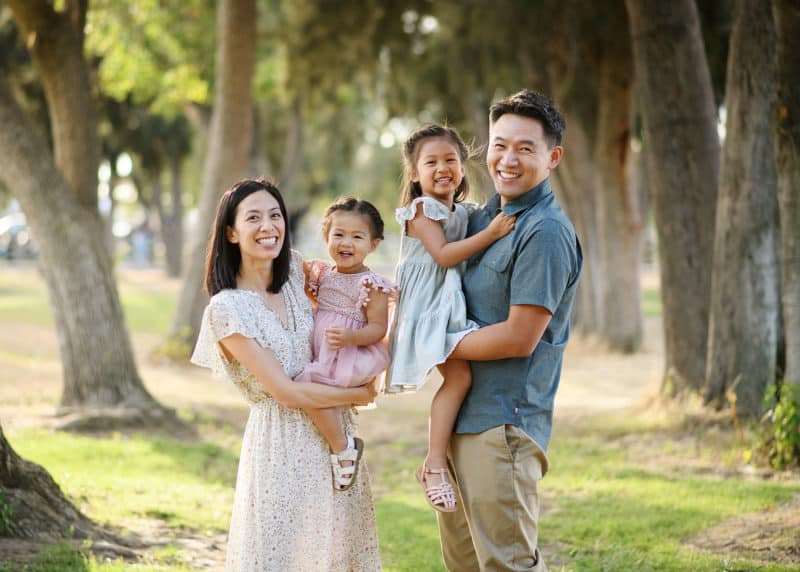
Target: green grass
603	509
119	479
27	302
651	302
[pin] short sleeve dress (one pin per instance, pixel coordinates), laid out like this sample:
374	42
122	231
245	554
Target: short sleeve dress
286	515
341	303
430	317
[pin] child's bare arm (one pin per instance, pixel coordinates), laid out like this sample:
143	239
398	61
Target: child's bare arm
448	254
377	311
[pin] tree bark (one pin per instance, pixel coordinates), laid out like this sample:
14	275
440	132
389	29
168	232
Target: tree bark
618	212
682	150
170	220
787	23
98	363
227	154
38	507
55	41
745	307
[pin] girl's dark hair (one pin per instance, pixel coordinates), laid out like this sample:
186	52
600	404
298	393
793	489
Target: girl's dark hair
411	147
351	205
224	259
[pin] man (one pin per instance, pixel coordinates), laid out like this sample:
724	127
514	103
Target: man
520	291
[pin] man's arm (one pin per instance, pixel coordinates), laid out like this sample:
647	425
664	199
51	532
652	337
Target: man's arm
518	336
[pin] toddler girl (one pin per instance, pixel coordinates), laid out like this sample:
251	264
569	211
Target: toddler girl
350	320
431	317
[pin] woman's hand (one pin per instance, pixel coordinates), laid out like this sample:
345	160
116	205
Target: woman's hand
501	225
370	392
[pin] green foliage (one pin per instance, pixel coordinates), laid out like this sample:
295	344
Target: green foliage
159	52
6	516
780	430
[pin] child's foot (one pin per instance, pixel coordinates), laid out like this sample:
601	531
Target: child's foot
345	464
438	491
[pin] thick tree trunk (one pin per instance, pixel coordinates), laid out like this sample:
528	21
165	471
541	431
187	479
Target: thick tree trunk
682	150
38	508
99	369
577	192
787	23
228	146
618	212
745	307
55	40
59	198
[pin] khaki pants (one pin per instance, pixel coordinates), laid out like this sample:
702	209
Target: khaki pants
496	524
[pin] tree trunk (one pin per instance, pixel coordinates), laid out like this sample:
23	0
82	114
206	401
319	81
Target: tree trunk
55	41
787	23
682	150
745	307
227	154
172	222
38	508
99	368
619	224
578	194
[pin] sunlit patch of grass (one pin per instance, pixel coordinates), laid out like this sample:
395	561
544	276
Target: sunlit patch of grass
24	299
121	479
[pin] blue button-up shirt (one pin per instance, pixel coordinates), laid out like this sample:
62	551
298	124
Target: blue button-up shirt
538	263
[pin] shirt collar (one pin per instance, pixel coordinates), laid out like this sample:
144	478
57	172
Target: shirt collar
522	202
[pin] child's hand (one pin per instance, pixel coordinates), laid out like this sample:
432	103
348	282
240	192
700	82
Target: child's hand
338	337
501	225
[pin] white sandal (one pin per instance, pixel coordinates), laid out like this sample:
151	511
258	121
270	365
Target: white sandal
345	476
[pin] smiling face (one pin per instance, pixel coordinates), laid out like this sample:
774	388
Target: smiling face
519	157
350	240
438	169
259	228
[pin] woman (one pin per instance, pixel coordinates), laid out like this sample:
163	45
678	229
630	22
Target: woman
256	330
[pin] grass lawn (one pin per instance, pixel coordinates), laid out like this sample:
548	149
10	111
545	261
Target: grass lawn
626	491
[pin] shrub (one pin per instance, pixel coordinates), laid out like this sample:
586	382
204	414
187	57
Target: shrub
780	427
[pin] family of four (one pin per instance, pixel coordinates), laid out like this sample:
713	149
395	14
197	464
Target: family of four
483	294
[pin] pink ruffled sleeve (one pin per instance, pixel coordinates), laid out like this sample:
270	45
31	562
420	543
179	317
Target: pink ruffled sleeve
373	281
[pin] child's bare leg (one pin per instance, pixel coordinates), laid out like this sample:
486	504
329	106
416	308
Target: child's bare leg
444	410
329	422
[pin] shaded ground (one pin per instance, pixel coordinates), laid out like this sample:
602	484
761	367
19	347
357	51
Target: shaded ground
593	382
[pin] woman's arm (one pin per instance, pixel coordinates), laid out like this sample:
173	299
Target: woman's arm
377	311
263	364
448	254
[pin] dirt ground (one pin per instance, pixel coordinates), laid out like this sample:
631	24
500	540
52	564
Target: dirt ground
593	382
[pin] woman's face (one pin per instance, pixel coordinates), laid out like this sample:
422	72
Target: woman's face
259	228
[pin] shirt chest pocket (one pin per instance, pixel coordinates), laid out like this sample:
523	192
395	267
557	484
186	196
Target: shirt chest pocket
494	271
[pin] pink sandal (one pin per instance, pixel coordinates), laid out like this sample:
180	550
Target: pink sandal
441	497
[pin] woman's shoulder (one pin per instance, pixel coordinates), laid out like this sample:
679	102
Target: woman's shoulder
431	208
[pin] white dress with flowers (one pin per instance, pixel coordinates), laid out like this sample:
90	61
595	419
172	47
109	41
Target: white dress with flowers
286	514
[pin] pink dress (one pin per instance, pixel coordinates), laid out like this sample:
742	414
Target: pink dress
341	303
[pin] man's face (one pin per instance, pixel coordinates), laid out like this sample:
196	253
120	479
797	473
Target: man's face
518	157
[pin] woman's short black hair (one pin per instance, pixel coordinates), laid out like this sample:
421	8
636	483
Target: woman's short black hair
224	259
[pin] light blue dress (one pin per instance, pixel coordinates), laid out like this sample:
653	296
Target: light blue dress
430	317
